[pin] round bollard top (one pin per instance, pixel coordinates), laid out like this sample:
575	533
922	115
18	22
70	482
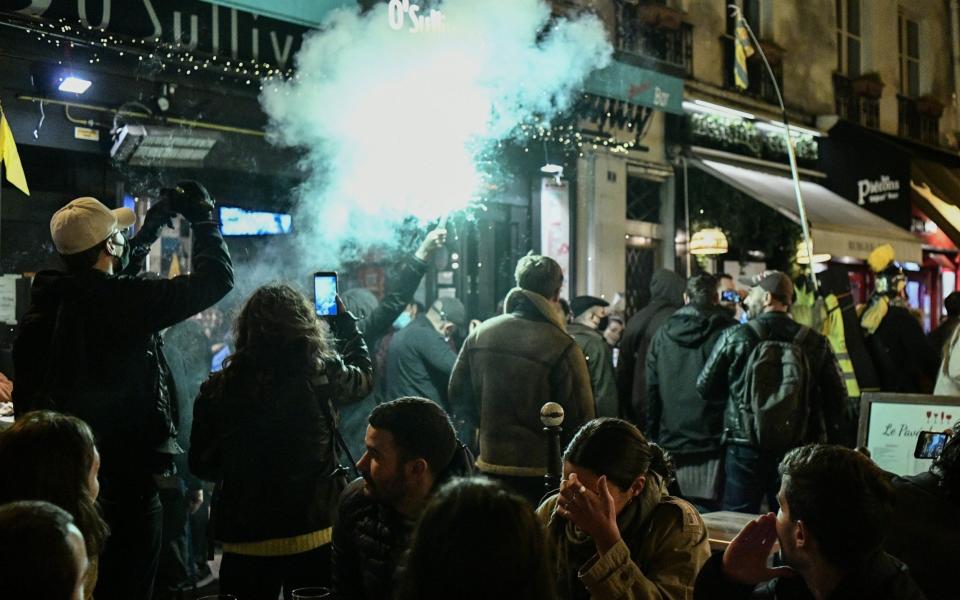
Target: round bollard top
551	415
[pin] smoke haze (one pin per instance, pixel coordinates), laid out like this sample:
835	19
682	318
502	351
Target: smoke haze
391	121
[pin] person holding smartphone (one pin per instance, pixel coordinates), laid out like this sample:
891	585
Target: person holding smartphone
264	430
89	346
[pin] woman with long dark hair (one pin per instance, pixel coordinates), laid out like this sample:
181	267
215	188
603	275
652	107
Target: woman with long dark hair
50	456
474	541
615	530
264	430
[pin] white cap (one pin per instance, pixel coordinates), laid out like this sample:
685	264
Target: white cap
85	222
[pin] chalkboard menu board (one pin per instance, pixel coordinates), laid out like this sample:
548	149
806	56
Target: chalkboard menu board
891	423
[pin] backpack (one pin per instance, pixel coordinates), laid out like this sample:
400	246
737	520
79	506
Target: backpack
775	409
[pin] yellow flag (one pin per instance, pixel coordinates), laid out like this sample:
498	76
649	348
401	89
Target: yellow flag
742	51
10	158
174	266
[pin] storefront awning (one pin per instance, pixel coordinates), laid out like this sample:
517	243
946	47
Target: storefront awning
636	85
838	227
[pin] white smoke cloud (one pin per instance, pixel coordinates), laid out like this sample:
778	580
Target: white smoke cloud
391	121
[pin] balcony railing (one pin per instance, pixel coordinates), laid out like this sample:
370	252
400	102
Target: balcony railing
672	47
861	110
758	80
915	124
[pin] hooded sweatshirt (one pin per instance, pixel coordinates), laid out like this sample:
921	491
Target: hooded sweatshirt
678	418
666	296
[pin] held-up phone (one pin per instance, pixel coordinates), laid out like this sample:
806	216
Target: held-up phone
325	293
930	444
731	296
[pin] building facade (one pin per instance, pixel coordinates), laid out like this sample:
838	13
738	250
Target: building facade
878	68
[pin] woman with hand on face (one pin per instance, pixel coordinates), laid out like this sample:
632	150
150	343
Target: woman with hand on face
615	530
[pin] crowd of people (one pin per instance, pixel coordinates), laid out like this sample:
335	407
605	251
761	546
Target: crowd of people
396	450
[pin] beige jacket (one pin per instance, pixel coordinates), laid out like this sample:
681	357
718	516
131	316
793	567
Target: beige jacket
664	546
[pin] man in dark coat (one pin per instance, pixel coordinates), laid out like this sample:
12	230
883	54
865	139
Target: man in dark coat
420	358
189	356
589	314
679	418
89	346
411	449
750	473
666	297
926	522
835	505
376	318
942	334
904	359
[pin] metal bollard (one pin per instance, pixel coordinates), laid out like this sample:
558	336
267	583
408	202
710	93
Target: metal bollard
551	415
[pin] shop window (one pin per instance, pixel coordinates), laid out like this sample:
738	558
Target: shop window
908	44
643	200
849	40
656	30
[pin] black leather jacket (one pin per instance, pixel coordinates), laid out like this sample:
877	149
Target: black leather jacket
724	375
89	346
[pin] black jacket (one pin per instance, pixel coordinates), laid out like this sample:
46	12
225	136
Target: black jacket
924	533
265	434
666	296
368	542
188	355
905	360
105	364
724	376
597	353
883	578
419	363
376	321
678	418
402	283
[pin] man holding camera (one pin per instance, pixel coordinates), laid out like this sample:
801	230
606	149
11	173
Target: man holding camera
89	345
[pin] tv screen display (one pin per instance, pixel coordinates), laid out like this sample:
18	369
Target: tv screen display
237	221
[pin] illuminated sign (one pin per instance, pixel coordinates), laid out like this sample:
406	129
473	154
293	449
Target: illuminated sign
876	191
400	12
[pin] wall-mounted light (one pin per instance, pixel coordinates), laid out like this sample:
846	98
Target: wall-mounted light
716	109
74	85
779	128
708	241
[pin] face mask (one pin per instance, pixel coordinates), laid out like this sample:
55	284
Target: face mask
124	259
402	321
602	325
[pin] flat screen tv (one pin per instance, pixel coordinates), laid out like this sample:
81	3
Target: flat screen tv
237	221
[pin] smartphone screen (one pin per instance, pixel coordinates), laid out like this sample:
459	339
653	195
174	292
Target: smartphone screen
731	296
930	444
325	293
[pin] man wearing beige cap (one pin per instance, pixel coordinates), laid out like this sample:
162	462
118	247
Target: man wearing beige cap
782	388
89	346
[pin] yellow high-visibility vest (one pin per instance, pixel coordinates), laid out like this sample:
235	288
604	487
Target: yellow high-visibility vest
833	330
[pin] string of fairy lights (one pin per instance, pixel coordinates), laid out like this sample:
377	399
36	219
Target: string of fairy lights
166	56
176	57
